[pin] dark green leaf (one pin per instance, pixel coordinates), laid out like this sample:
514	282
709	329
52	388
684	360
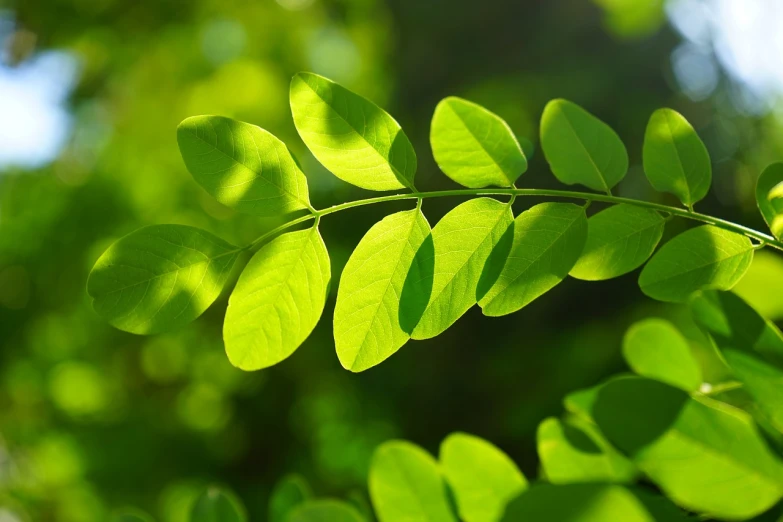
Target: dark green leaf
769	198
289	492
218	505
325	511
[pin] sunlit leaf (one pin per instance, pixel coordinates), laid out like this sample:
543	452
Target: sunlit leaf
160	277
590	503
762	285
351	136
769	198
675	159
325	511
654	348
482	477
278	300
289	492
580	148
574	451
548	240
705	455
367	323
620	239
473	146
704	257
218	505
242	166
463	241
406	485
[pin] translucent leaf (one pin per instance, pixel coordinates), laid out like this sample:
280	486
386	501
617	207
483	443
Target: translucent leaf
289	492
218	505
160	277
482	477
704	257
654	348
675	159
548	240
769	198
620	239
325	511
463	241
705	455
278	300
590	503
242	166
762	286
574	451
406	485
367	323
580	148
351	136
473	146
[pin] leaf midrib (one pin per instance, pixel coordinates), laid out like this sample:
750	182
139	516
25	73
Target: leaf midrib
584	148
700	267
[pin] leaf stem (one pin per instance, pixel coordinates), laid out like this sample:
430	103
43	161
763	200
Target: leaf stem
762	238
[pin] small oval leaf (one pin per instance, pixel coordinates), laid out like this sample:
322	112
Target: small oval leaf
769	198
278	300
580	148
218	505
474	146
290	492
704	257
351	136
325	511
620	239
242	166
160	277
675	159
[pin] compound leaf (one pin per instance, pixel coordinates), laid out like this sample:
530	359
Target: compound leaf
580	148
482	477
351	136
289	492
367	324
278	300
242	166
769	198
675	159
474	146
620	239
218	505
463	241
704	257
325	511
654	348
406	485
548	239
160	277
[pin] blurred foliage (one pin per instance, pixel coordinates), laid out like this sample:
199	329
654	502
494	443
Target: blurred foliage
93	419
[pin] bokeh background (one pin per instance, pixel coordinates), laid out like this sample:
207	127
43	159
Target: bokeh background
91	91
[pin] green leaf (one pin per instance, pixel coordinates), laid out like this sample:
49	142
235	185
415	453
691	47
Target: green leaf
289	492
769	198
474	146
675	159
278	300
325	511
654	348
218	505
160	277
620	239
367	322
704	257
590	503
548	240
351	136
129	515
463	241
705	455
574	451
580	148
242	166
482	477
406	485
762	286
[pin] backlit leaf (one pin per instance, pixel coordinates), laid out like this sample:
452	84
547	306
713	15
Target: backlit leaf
160	277
218	505
769	198
762	286
289	492
242	166
278	300
325	511
580	148
620	239
704	257
351	136
473	146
